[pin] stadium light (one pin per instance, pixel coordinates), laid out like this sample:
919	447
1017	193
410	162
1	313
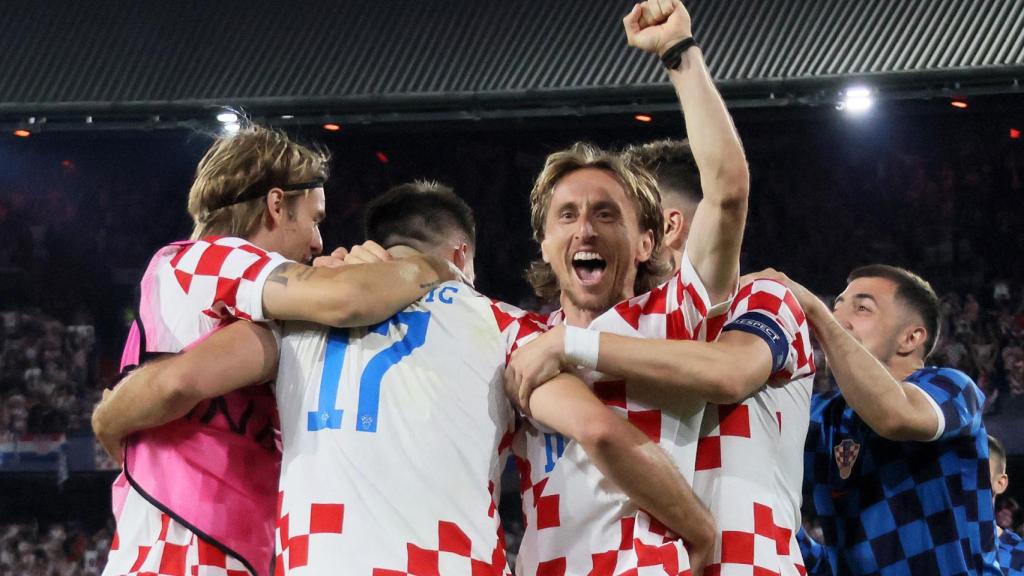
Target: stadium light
856	100
231	127
382	157
642	118
227	118
1014	134
22	133
332	127
958	103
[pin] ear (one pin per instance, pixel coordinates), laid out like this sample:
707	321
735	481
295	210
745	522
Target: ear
676	229
913	337
646	248
544	251
275	207
999	484
459	256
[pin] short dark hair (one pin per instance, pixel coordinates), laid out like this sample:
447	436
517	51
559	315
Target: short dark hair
995	448
672	164
419	214
913	291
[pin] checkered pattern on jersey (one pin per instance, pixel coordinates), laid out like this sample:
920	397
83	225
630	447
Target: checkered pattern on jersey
726	425
756	550
644	546
517	326
658	556
224	272
326	520
172	551
1011	553
741	444
561	541
451	555
903	507
773	300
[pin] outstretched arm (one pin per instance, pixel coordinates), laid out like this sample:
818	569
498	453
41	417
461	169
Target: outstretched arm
895	410
716	232
725	371
238	355
351	295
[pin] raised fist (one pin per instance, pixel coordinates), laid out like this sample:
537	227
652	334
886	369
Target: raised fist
656	25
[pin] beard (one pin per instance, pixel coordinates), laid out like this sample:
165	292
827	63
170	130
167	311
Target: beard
595	305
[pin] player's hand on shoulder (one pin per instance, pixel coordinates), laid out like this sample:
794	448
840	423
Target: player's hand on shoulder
534	364
656	25
335	259
368	252
807	300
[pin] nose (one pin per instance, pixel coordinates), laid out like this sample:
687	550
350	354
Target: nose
585	230
316	245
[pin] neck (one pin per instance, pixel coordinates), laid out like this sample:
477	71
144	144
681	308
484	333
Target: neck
403	251
580	317
903	367
575	316
263	238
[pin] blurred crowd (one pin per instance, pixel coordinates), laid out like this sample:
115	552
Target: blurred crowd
56	550
47	375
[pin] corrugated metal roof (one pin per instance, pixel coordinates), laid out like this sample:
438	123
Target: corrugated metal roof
158	55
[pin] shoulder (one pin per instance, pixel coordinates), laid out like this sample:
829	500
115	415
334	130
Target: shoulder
948	380
1011	539
825	402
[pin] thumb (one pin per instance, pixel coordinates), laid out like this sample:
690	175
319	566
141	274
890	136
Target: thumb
632	22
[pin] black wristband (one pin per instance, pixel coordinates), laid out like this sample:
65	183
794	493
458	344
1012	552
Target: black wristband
673	57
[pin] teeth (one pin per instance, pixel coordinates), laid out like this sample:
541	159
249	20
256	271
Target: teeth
587	256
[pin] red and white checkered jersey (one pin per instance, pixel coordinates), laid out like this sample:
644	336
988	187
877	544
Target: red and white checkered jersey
392	437
200	284
576	521
198	467
750	455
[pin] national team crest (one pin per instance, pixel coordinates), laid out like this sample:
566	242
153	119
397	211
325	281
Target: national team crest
846	456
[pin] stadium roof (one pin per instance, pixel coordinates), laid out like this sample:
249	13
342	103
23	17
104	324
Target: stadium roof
436	58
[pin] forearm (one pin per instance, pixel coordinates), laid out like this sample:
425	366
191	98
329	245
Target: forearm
624	454
716	233
645	473
355	295
713	139
141	401
867	385
712	371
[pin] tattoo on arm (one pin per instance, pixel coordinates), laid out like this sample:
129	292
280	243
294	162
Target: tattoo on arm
285	272
280	274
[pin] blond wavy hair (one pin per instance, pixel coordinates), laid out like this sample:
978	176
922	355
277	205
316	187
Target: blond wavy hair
254	157
639	186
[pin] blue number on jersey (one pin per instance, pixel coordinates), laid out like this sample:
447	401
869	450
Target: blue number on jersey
554	447
326	415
